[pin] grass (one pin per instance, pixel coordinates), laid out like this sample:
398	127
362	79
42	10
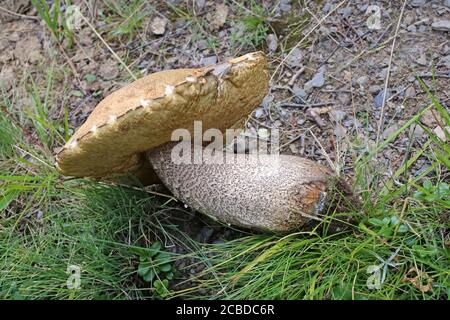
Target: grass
127	17
399	249
55	20
48	224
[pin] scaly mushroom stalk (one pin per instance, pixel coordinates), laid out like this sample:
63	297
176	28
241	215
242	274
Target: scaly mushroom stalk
277	193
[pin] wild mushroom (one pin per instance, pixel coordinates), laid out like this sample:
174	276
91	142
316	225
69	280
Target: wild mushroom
135	123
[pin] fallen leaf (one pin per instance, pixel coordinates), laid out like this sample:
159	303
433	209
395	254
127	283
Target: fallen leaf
418	280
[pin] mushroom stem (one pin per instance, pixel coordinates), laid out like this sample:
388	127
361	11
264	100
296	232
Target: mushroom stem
276	193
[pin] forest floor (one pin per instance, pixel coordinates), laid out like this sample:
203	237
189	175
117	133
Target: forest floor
363	89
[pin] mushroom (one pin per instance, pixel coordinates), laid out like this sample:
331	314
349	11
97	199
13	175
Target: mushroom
275	193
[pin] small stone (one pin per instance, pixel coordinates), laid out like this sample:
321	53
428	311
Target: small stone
346	12
285	5
339	131
108	70
301	121
417	3
431	118
417	131
293	147
447	3
6	78
441	25
259	112
440	133
374	88
411	28
389	131
362	80
266	101
445	61
28	50
272	42
410	92
295	58
379	99
338	115
422	59
207	61
299	92
317	81
199	5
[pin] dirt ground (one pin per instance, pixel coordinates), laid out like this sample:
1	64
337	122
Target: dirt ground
329	69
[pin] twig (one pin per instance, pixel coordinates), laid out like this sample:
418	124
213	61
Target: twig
18	14
386	83
72	66
431	75
295	76
305	37
330	163
109	48
316	117
304	105
25	131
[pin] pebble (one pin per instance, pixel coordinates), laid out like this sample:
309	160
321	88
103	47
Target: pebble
299	92
439	132
295	58
431	118
410	92
390	130
447	3
205	234
346	12
362	80
338	115
7	77
259	112
411	28
445	61
416	131
285	5
266	101
293	147
207	61
199	5
417	3
317	81
374	88
272	42
379	99
441	25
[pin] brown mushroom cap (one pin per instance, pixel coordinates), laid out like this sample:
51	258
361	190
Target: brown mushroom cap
143	115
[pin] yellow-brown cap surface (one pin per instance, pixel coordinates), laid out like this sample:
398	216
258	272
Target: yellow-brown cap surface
143	115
